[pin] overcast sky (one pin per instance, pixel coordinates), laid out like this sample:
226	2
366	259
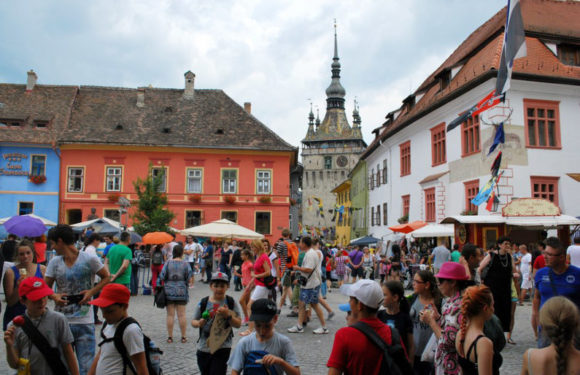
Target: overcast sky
274	54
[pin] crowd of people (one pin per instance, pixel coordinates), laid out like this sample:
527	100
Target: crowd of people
457	319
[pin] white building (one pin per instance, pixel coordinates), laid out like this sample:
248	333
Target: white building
422	170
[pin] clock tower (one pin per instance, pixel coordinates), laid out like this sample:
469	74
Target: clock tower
330	150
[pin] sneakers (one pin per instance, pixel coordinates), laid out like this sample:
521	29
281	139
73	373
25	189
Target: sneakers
245	321
320	331
297	329
330	315
293	314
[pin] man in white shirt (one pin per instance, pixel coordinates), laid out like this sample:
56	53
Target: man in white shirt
441	254
189	250
310	272
114	302
573	252
526	271
93	243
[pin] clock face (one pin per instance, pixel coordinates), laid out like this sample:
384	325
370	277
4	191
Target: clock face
342	161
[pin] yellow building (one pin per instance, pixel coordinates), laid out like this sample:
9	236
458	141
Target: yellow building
342	213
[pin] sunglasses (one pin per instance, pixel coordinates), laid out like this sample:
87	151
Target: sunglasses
441	280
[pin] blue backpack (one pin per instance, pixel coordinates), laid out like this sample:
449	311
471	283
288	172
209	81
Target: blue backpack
253	368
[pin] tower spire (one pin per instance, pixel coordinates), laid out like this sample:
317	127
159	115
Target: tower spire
310	132
335	92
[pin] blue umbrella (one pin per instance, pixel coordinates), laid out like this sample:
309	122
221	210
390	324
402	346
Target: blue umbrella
365	241
25	226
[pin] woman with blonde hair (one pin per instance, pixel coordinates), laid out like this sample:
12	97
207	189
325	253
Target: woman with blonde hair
24	267
262	276
560	320
476	354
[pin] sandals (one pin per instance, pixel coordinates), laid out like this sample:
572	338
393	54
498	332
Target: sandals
170	340
510	341
183	340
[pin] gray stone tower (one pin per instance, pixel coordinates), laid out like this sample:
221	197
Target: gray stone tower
330	150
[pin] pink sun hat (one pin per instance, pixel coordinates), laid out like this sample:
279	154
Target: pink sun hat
452	271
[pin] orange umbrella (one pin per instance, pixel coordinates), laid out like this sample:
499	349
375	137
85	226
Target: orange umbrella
409	227
157	238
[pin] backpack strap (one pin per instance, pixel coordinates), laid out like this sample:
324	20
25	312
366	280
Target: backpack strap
120	345
51	355
230	302
377	340
202	307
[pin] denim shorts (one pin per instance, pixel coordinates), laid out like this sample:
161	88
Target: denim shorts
84	345
309	296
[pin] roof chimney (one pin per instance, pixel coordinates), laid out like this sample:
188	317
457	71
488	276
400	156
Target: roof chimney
31	80
189	85
248	107
140	97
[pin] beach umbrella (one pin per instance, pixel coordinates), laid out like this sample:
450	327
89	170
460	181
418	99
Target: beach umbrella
45	221
157	238
409	227
25	226
222	228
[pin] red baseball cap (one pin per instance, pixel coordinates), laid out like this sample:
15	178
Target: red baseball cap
112	293
34	288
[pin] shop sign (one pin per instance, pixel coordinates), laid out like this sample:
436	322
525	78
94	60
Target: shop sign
13	165
531	207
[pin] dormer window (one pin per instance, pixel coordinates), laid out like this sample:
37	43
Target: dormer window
569	54
166	130
444	78
219	131
11	123
409	102
41	124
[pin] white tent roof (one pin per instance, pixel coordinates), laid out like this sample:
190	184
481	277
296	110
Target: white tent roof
88	223
434	230
222	228
44	221
520	221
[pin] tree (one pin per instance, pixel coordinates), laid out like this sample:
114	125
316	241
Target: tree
151	214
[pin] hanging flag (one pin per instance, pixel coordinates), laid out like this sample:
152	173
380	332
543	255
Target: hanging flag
499	138
484	193
489	205
496	164
484	104
514	45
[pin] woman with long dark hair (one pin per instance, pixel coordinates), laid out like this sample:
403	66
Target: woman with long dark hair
396	314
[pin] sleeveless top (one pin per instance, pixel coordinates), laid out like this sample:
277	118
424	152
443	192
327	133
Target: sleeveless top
470	368
18	308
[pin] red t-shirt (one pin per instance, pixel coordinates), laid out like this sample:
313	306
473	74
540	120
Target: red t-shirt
259	267
354	354
540	262
40	249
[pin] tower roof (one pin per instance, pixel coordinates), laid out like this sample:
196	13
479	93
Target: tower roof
335	124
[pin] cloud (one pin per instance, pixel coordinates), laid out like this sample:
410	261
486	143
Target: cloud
275	54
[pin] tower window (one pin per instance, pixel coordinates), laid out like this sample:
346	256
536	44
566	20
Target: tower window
327	162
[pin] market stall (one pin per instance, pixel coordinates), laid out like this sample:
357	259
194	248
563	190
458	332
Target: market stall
524	220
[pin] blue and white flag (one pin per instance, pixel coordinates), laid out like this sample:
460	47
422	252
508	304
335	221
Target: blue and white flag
514	46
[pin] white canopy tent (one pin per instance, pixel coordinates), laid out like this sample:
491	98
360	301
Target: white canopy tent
433	230
519	221
88	223
222	228
44	221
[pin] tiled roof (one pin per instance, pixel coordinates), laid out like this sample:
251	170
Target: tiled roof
50	104
211	119
477	59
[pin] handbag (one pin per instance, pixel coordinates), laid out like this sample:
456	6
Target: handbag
430	349
160	299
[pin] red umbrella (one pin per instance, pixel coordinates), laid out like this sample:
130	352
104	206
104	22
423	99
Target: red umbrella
409	227
157	238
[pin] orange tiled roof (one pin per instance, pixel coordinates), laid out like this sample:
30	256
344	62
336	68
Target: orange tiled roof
478	58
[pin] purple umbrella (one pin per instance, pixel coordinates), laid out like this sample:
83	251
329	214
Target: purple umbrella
25	226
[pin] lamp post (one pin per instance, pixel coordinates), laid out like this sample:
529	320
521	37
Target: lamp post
124	204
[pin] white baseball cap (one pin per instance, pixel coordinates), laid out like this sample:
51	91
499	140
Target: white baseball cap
368	292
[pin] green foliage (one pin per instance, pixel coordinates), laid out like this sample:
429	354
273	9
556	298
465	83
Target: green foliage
151	214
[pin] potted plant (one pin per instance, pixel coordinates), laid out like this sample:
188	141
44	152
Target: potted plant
114	197
37	179
195	198
403	219
468	213
230	199
265	199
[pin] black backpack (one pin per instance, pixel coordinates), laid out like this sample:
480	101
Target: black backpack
152	352
394	359
203	305
157	257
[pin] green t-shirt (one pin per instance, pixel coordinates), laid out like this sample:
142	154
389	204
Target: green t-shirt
301	258
116	255
455	256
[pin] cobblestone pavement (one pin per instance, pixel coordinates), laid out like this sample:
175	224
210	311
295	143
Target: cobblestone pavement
312	350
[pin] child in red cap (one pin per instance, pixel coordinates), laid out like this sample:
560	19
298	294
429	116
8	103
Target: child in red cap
114	302
20	349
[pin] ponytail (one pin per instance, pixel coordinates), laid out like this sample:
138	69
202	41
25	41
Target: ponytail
474	299
397	289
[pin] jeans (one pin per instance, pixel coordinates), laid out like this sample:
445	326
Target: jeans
225	269
84	345
134	280
155	271
208	272
323	287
